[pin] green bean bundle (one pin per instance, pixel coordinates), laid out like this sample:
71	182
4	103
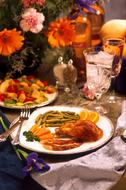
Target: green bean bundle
56	118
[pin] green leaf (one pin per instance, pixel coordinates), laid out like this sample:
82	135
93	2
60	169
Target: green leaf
18	151
8	102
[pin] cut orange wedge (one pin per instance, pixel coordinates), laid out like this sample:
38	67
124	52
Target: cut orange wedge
83	114
93	116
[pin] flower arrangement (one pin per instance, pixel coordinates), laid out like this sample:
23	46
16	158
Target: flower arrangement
30	28
23	29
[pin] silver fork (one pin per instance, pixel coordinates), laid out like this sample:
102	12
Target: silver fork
13	126
24	115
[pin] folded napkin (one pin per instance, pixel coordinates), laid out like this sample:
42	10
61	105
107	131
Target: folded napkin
11	175
99	170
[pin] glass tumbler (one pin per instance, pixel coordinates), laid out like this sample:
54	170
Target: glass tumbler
98	71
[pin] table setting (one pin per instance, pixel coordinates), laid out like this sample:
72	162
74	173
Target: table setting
107	160
62	96
112	154
80	172
99	167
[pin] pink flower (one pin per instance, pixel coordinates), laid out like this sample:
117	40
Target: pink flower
32	20
28	3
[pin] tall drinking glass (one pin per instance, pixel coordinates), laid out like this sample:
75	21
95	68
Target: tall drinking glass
114	46
98	72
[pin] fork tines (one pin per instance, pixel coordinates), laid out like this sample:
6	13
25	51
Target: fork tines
25	112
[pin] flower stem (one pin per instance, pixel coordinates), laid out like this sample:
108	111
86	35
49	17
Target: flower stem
18	151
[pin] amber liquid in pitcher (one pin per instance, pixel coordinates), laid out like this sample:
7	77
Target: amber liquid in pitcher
81	41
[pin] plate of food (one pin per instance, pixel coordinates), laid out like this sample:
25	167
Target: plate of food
26	91
65	130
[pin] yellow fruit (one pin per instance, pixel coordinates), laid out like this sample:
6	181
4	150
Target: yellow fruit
83	114
93	116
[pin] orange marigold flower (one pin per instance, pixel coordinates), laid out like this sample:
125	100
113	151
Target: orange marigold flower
10	41
61	33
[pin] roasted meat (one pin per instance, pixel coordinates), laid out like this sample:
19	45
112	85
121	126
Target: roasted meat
61	144
72	135
82	129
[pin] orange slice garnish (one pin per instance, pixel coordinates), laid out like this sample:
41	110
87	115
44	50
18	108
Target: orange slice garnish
93	116
83	114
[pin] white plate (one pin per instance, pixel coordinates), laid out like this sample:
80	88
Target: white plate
104	123
51	97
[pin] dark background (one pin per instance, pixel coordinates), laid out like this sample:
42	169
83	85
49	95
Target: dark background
115	9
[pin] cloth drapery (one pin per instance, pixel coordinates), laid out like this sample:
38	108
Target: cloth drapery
100	170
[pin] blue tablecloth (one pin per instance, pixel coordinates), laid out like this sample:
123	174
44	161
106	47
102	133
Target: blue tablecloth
11	176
